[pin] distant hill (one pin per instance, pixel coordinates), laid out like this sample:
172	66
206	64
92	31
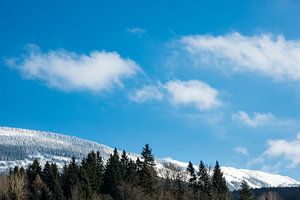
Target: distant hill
18	147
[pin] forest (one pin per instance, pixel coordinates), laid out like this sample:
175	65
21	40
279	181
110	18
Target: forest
120	178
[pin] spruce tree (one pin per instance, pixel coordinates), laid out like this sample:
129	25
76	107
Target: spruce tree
204	183
193	185
86	189
112	175
33	170
147	173
70	178
56	190
219	186
178	188
245	192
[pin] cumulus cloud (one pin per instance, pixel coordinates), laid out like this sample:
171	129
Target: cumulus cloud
193	92
100	70
136	30
286	149
146	93
278	154
241	150
256	120
266	54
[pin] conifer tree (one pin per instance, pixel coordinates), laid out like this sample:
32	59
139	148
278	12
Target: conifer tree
147	173
86	189
129	169
220	189
69	178
193	185
56	190
204	183
112	175
33	170
51	179
245	192
131	176
178	188
124	163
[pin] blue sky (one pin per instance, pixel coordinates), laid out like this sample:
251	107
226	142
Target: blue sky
198	80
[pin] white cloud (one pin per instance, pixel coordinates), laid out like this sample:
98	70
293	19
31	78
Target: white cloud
186	93
288	150
241	150
136	30
146	93
100	70
258	119
282	152
270	55
193	92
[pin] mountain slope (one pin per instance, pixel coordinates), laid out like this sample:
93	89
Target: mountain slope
21	146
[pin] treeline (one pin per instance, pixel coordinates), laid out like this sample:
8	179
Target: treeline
120	178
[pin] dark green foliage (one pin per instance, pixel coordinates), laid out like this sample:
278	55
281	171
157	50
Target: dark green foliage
93	168
245	192
146	172
70	178
32	172
113	175
121	178
220	189
204	183
193	185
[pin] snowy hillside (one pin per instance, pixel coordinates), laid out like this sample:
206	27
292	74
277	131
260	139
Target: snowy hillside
21	146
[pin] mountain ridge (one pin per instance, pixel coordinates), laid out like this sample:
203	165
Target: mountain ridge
20	146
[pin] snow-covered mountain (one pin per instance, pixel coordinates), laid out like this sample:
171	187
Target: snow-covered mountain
21	146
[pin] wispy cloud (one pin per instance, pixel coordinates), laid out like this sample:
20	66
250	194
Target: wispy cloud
146	93
258	119
241	150
100	70
266	54
194	93
136	30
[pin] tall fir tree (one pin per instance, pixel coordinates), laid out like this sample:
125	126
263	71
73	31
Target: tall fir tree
178	188
204	183
33	170
219	186
193	185
245	192
70	178
112	176
86	189
147	172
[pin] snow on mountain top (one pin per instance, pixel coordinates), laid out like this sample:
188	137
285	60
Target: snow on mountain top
21	146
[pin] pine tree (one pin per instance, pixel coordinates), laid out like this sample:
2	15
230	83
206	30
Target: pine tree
245	192
129	169
33	170
193	185
178	188
220	189
112	175
56	190
147	156
51	178
204	182
86	189
99	172
69	178
147	173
